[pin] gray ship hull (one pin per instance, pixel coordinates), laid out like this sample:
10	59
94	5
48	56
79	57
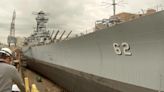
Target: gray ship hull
90	63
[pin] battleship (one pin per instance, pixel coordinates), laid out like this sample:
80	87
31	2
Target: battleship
123	57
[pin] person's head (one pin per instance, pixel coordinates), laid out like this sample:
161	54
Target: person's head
6	55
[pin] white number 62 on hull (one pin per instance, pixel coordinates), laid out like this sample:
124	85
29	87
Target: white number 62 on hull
125	49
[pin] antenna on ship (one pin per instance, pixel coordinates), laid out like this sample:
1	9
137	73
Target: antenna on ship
114	4
114	7
113	19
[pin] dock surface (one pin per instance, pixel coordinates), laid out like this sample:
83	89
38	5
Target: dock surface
42	83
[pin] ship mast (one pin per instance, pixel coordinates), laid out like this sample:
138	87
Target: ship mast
114	7
41	21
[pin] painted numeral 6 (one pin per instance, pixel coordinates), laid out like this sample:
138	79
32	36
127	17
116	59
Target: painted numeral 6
117	49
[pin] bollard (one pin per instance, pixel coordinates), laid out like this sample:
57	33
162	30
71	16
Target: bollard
27	88
34	89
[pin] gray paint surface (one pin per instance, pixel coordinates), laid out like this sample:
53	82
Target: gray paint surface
77	81
94	53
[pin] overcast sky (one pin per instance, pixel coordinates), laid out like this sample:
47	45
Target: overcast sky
75	15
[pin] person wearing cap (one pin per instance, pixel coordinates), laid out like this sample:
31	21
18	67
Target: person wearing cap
8	73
